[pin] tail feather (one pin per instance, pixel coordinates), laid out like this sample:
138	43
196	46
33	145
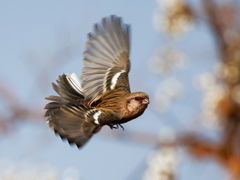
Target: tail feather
66	115
67	88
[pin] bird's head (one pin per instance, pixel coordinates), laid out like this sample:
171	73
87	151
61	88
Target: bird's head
136	103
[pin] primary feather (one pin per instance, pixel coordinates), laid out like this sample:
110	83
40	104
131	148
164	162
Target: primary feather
106	54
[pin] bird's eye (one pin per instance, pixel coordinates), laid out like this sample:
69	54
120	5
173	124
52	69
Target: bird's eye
136	98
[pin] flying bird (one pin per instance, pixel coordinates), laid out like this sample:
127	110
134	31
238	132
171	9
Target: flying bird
103	95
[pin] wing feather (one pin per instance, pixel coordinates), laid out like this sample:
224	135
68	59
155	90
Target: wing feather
107	53
70	124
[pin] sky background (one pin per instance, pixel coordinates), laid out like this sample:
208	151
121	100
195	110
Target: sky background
32	33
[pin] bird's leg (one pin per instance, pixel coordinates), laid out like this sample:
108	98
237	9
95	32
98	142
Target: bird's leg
110	125
115	126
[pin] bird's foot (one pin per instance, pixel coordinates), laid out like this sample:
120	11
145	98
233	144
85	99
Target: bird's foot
121	127
116	126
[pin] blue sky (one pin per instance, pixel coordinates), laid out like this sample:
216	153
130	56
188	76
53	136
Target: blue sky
32	32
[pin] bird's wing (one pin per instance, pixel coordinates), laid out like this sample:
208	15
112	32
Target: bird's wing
66	113
106	58
69	122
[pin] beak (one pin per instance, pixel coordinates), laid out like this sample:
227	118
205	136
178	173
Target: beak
145	101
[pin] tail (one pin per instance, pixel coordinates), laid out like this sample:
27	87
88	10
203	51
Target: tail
66	113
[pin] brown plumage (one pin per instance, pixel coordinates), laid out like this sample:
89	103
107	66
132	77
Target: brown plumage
103	97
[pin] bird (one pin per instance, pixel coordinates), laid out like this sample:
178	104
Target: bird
102	95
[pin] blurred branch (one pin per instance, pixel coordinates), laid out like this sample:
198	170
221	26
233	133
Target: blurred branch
222	19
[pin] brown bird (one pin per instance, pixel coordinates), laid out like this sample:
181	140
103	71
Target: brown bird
103	97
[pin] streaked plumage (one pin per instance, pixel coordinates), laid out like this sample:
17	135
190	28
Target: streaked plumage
103	96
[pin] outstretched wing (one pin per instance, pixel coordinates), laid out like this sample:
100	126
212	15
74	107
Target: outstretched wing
106	59
66	114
